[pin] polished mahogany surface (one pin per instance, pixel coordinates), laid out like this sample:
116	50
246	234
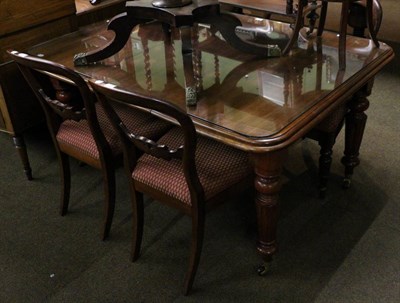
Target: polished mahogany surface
254	104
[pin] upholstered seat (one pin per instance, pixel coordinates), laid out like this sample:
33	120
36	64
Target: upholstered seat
181	169
77	135
218	167
79	126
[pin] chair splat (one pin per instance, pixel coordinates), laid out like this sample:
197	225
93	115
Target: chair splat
66	111
153	148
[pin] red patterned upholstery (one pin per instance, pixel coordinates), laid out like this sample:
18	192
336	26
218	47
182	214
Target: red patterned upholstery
218	166
78	134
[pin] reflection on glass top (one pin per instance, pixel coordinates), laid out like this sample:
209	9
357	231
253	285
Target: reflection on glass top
237	92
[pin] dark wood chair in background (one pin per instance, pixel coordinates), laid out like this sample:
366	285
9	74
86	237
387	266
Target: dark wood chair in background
327	131
369	17
79	127
182	169
300	13
358	14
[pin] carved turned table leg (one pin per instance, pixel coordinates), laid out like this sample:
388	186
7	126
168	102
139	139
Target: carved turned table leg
19	144
325	160
268	167
355	125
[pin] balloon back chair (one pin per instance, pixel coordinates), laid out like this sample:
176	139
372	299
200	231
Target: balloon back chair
182	169
79	127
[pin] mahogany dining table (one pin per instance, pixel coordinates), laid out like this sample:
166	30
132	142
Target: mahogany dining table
259	105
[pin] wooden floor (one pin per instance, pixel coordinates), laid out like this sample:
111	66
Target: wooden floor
84	6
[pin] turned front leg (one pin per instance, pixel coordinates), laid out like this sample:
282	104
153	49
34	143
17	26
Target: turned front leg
268	168
356	120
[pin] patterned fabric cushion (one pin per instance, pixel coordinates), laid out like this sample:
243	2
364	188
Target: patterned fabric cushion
78	135
218	166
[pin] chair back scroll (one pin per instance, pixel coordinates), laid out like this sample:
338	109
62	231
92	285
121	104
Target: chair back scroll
150	147
184	152
59	87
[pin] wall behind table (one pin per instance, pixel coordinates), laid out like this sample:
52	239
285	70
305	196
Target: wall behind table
22	25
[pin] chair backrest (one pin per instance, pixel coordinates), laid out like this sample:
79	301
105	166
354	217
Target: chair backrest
63	94
358	17
134	142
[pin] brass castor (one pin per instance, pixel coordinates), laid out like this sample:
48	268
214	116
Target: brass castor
263	268
346	183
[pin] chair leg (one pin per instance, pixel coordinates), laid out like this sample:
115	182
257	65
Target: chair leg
297	26
325	160
19	144
322	18
109	198
195	251
343	34
370	22
137	223
312	19
65	182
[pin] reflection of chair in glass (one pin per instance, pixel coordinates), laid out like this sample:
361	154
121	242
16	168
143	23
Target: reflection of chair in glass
79	127
183	170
